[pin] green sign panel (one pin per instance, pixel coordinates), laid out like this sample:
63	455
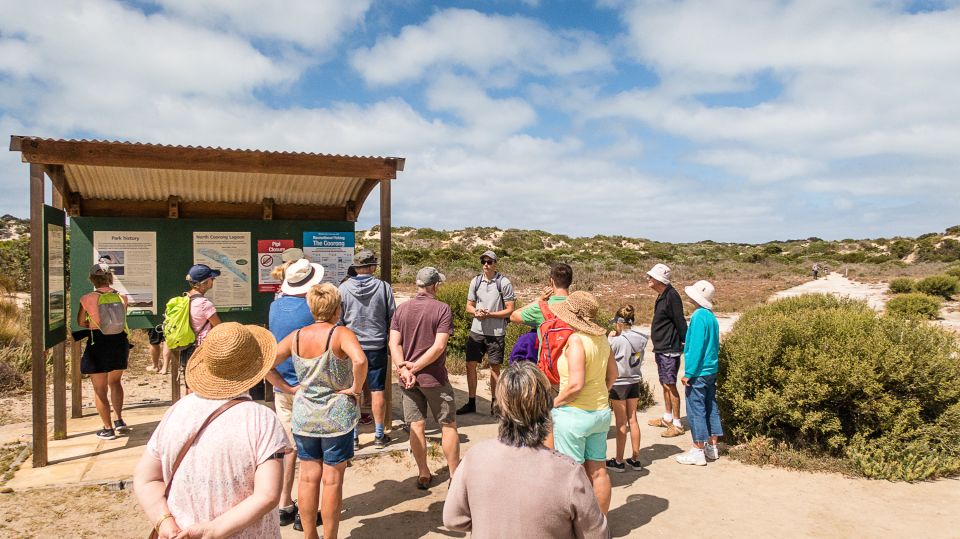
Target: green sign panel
54	277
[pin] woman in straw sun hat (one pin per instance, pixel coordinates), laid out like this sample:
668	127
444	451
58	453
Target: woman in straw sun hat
204	475
701	354
331	368
581	414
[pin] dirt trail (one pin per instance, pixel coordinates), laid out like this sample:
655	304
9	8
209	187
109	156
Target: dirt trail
838	285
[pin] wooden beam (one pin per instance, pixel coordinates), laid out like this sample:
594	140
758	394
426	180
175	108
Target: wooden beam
173	207
267	209
131	155
38	355
60	188
364	193
386	274
59	351
74	201
93	207
76	379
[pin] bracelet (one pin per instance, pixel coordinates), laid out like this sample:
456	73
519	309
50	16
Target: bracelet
159	522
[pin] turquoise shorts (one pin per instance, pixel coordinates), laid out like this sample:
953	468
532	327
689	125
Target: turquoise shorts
580	434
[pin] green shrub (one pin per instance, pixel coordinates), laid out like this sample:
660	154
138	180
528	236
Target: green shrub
915	306
953	272
901	285
831	377
944	286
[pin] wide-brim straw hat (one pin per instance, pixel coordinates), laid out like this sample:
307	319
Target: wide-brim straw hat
579	311
702	293
232	359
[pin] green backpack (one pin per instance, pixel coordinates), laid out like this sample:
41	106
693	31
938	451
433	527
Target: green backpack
177	331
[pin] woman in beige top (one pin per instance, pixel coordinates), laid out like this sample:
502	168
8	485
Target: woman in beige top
542	494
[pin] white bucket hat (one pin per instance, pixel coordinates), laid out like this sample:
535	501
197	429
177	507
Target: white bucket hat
300	277
702	293
660	272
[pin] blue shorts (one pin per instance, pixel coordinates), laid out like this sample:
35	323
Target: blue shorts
376	369
579	434
331	451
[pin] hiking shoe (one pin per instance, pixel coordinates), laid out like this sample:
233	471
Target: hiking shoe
658	422
469	408
298	525
121	426
356	444
106	434
712	452
672	431
635	464
693	457
381	441
366	419
288	516
620	467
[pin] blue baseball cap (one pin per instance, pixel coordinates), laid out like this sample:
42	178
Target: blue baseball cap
201	272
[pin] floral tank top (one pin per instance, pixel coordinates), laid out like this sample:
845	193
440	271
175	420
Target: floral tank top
318	410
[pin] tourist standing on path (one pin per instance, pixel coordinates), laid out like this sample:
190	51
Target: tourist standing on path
490	299
228	481
491	500
368	306
561	277
581	413
288	313
700	365
331	368
104	313
815	270
419	333
203	314
628	345
668	331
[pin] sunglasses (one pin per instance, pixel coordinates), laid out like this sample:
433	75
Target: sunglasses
487	262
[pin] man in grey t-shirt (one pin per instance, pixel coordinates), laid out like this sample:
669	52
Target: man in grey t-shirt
490	299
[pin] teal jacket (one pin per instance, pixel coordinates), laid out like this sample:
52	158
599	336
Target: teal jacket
701	351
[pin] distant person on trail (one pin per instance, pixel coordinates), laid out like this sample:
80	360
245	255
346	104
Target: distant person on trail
668	331
561	277
288	313
368	307
700	365
203	314
104	313
490	299
419	333
816	270
628	345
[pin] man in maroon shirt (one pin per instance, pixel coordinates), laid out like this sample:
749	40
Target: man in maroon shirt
418	346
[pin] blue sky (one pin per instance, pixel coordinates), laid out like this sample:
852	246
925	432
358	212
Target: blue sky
730	120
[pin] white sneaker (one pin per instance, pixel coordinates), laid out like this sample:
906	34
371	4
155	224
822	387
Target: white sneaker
694	457
711	451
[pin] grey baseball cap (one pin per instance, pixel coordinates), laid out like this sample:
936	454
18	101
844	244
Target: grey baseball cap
364	258
429	276
489	254
292	254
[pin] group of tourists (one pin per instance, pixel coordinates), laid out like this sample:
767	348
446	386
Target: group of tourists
327	347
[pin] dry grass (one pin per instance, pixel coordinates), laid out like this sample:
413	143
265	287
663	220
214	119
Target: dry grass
763	451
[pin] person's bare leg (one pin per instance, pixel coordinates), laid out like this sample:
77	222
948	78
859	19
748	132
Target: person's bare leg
472	379
308	496
167	356
289	470
100	398
379	406
620	419
667	399
675	402
597	473
116	392
332	499
631	412
494	378
418	446
450	441
155	357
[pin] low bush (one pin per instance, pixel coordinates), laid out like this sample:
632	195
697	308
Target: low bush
901	285
953	271
944	286
830	377
915	306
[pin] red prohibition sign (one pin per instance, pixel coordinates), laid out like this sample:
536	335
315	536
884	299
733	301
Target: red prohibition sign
266	260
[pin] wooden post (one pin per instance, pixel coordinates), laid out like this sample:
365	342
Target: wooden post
59	351
386	274
76	379
38	355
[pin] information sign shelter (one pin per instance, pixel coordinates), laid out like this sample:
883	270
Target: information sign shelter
151	211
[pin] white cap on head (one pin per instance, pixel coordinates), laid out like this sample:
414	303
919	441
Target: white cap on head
701	292
660	272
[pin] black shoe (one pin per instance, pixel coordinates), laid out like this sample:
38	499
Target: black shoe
289	516
298	525
635	464
381	441
121	427
106	434
618	467
469	408
356	444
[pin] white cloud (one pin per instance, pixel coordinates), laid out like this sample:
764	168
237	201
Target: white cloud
487	120
313	24
487	45
756	167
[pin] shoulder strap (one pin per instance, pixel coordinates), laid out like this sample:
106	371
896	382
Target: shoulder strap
329	337
476	287
193	438
190	312
545	309
296	343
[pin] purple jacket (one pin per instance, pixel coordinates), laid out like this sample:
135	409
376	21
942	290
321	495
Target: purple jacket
526	348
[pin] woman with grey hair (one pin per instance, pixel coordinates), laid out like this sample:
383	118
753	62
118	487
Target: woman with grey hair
492	500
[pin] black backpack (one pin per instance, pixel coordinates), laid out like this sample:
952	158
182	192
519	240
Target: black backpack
496	279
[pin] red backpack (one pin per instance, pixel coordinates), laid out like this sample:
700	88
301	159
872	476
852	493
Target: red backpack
553	338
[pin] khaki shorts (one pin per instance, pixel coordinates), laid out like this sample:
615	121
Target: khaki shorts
438	399
283	404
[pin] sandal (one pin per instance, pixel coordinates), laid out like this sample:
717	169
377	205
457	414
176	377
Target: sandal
423	483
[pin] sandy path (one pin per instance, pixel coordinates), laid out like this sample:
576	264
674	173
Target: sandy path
838	285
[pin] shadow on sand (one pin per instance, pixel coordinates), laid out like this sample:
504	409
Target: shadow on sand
639	510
